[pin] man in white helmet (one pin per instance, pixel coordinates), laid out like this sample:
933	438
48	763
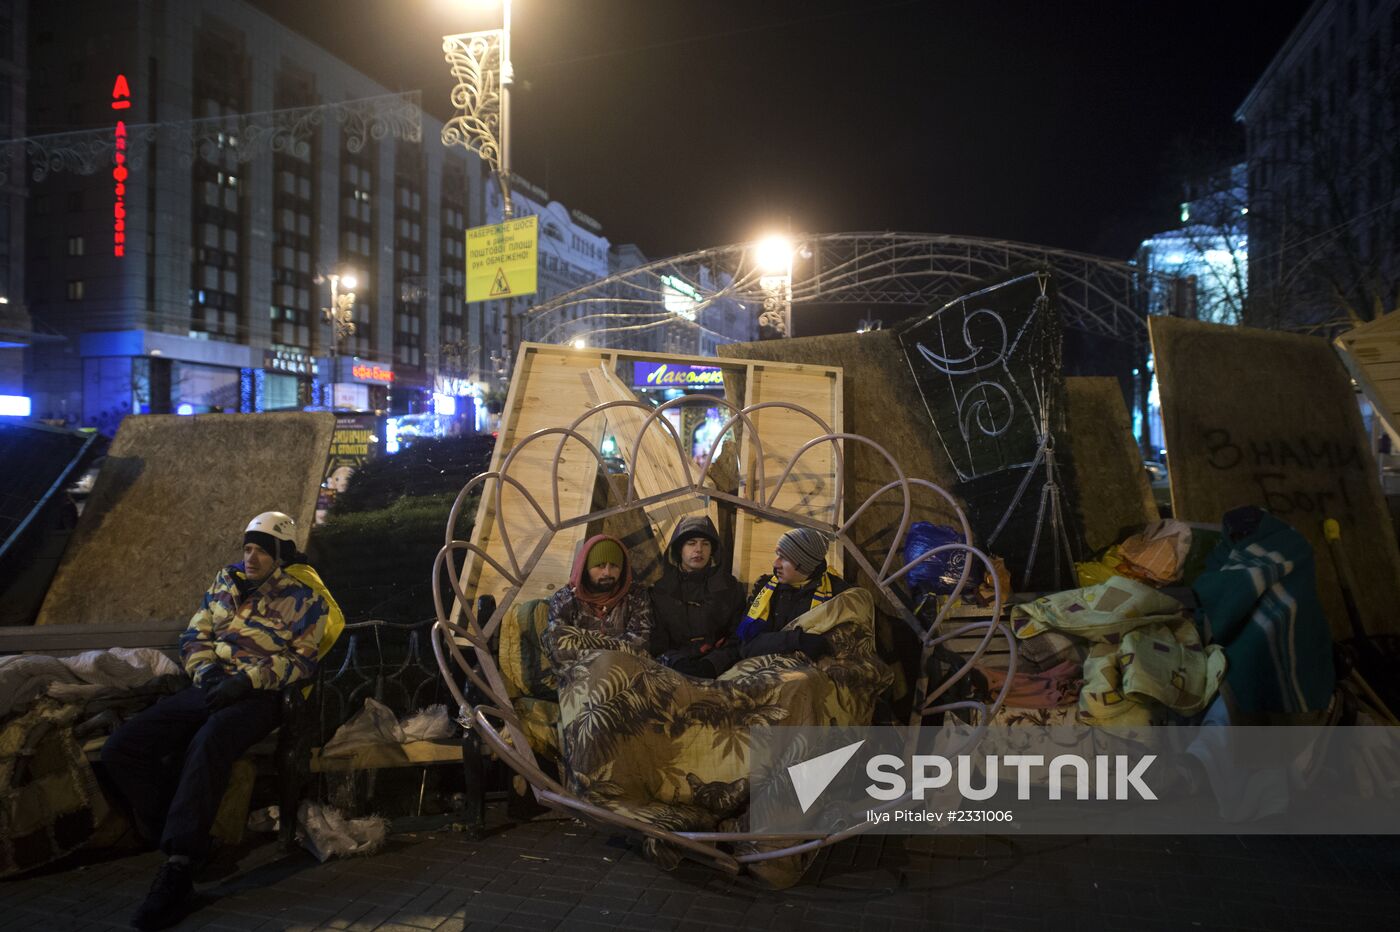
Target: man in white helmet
262	626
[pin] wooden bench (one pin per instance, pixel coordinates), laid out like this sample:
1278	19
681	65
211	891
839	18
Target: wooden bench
286	749
391	663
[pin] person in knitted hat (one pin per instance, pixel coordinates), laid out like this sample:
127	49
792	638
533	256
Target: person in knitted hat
800	581
263	625
601	596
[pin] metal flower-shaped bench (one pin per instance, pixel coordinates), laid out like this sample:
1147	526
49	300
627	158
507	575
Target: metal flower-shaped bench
465	641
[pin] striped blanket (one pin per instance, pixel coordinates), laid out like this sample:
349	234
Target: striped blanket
1258	599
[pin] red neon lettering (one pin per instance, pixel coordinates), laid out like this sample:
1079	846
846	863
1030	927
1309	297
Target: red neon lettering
372	373
119	91
121	94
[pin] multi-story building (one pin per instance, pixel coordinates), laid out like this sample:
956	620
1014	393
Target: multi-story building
252	165
1323	157
15	329
1199	269
572	252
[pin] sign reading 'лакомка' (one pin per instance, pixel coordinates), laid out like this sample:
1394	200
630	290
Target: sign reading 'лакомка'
672	375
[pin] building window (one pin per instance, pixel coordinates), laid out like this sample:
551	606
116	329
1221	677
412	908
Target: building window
75	289
75	245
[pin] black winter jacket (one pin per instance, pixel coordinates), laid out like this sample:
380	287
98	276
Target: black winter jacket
788	602
691	610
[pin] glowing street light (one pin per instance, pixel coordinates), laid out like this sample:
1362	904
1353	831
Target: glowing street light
773	254
580	343
340	316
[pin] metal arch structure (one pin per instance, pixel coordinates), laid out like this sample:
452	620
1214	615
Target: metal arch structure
1098	295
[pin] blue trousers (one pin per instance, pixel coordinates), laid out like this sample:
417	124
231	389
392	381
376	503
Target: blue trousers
172	763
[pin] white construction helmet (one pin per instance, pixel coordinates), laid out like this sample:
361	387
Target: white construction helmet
275	532
275	524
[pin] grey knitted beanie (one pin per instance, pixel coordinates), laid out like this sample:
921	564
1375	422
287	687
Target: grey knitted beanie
804	548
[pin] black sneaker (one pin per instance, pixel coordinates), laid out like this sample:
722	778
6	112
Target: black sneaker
169	894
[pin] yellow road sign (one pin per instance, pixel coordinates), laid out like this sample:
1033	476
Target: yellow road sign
502	259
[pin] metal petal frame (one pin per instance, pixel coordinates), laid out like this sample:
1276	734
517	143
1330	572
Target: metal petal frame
462	641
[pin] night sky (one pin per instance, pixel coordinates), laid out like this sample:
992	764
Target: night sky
681	124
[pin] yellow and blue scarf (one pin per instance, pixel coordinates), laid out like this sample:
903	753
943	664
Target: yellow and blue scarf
756	620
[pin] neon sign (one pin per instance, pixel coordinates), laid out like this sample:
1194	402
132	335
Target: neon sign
665	375
368	372
121	100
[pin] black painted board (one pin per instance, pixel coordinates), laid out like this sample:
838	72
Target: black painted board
987	369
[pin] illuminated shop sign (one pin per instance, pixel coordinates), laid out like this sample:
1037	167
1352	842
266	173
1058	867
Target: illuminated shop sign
670	375
371	372
121	100
281	360
678	297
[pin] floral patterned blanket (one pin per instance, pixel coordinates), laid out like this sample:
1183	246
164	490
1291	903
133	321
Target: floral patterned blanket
672	750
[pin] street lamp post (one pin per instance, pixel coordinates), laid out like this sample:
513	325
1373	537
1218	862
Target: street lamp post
480	63
339	315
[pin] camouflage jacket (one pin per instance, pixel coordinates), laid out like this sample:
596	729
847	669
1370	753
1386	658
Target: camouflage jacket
273	635
629	621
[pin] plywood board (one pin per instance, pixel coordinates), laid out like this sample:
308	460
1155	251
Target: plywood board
1114	491
553	385
657	467
1372	353
1254	417
169	508
550	388
879	401
810	490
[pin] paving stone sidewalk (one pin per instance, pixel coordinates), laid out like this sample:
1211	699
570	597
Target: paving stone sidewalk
558	874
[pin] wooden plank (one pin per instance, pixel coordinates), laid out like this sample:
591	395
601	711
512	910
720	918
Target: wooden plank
1385	368
380	756
550	389
878	400
64	640
657	467
810	489
1270	419
552	386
